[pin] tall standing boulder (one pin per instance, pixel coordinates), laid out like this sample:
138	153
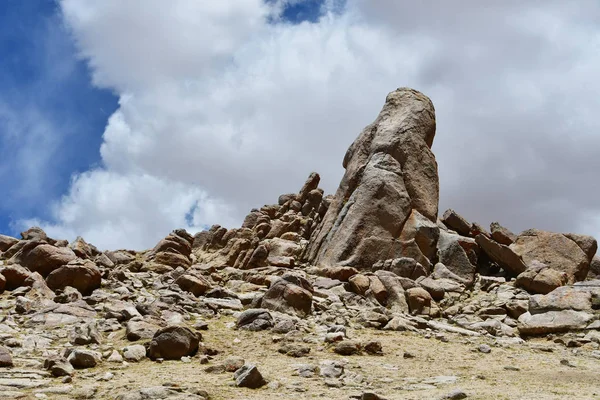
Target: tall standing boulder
390	171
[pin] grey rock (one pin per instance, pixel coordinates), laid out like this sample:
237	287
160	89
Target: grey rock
331	369
255	319
83	358
5	357
552	322
249	376
135	353
173	342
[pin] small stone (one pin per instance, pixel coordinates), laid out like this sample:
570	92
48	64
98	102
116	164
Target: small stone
135	353
371	396
201	326
484	348
374	348
334	337
455	395
566	363
115	357
347	348
306	370
204	359
186	359
232	364
511	368
5	357
249	376
59	367
294	350
408	355
106	377
82	358
331	369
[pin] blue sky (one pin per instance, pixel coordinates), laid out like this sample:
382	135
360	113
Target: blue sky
51	115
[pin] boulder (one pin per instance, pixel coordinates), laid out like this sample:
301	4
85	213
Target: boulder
83	276
36	233
501	254
419	301
459	254
255	319
553	322
539	278
6	242
249	376
563	298
2	283
456	222
194	284
172	343
81	248
395	298
174	250
424	233
135	352
42	257
83	358
594	272
404	266
15	276
588	244
139	329
553	249
290	294
390	171
501	234
5	357
359	284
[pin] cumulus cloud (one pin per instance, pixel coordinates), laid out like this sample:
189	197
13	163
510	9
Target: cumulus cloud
223	106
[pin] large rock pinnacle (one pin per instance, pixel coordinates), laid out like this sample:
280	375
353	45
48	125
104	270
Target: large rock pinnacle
387	202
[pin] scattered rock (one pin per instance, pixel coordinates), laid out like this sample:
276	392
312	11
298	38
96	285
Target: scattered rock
256	319
135	353
5	357
484	348
249	376
172	343
83	358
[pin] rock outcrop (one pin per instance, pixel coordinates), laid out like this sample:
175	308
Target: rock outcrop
302	275
390	172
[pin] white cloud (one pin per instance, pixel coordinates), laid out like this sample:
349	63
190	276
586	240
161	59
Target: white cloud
221	111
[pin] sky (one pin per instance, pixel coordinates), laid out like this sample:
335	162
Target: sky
121	121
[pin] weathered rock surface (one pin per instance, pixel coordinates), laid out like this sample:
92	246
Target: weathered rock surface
5	357
249	376
553	322
255	319
555	250
291	294
172	343
83	276
390	170
42	257
501	254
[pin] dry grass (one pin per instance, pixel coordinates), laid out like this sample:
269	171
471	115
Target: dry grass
481	376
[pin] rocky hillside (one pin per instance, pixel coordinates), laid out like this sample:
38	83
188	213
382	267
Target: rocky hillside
318	295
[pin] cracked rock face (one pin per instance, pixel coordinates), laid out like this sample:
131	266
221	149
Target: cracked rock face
390	171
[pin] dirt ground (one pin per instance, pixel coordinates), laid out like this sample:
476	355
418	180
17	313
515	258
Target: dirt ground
441	364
